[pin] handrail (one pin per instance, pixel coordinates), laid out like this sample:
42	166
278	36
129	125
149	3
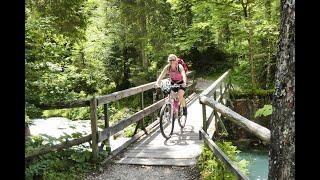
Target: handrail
101	99
128	121
222	156
254	128
63	145
128	92
124	93
206	101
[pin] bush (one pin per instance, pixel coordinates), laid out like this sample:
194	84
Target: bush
212	168
71	163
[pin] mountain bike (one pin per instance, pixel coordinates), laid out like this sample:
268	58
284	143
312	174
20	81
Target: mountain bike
171	111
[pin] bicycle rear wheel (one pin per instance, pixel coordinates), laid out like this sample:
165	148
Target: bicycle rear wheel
166	121
182	118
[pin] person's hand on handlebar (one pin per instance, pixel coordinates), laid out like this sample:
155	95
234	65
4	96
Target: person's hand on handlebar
184	84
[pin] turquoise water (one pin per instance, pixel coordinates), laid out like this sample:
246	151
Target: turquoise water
258	164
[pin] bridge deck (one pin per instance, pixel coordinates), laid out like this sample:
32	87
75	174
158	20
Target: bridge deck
181	149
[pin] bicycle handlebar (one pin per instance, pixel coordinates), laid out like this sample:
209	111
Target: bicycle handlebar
176	85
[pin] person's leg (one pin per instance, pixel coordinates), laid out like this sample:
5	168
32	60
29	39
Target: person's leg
175	106
182	101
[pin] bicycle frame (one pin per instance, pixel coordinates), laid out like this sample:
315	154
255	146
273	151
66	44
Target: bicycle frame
171	111
173	99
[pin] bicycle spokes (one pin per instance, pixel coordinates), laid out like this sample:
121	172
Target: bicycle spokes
182	118
166	121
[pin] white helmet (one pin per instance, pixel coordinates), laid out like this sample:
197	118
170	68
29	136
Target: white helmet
165	85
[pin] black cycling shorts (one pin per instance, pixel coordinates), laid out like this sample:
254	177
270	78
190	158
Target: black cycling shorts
177	82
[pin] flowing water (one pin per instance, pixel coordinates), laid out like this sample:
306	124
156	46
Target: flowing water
258	163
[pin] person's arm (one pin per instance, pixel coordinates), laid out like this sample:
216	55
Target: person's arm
184	76
163	73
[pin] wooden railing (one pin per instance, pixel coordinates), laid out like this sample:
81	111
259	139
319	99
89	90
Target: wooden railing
104	136
222	86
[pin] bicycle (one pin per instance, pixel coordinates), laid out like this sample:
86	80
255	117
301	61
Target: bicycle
170	111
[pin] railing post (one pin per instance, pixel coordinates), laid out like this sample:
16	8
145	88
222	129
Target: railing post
106	125
204	118
94	128
215	113
221	94
142	107
154	96
141	122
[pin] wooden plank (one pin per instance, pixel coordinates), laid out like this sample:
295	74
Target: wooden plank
179	154
132	119
62	105
204	117
252	127
223	157
106	126
149	129
94	128
161	162
149	148
65	145
209	120
155	142
124	93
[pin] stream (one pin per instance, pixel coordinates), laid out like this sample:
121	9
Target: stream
258	163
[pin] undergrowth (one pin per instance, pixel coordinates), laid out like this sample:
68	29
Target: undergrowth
71	163
212	168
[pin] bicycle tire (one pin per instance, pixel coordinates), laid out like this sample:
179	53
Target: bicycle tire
166	120
182	118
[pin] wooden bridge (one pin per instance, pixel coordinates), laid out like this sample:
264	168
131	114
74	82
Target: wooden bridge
206	113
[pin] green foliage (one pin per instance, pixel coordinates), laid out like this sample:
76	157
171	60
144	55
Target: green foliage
265	111
128	131
72	163
73	113
250	93
240	76
28	121
118	114
212	168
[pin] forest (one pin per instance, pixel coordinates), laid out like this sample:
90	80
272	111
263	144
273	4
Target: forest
77	49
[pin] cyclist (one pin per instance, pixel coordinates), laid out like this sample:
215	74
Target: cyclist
176	73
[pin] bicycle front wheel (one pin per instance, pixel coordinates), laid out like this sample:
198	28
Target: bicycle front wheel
166	121
182	118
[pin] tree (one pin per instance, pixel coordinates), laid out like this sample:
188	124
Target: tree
282	146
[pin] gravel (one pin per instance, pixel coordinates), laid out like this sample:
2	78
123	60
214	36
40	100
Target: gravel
140	172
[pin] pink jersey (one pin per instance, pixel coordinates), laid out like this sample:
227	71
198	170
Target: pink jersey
175	75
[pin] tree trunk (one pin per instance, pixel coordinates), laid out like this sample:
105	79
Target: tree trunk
282	147
143	30
268	68
249	26
250	54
